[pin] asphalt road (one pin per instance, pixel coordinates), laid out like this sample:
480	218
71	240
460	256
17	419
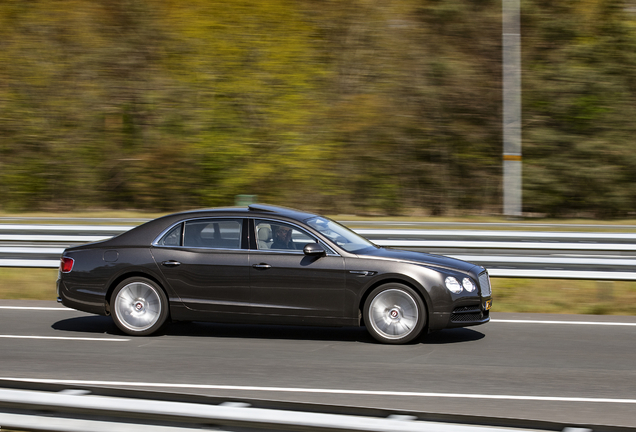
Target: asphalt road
572	373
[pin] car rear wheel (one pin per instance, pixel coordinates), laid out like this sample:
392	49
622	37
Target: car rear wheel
139	306
394	314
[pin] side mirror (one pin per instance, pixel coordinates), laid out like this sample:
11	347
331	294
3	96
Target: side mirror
314	249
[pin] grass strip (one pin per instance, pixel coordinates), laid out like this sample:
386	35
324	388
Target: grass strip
27	283
564	296
509	295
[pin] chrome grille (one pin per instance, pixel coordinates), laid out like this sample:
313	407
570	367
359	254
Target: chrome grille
484	283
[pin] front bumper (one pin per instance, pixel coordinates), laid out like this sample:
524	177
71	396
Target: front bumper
462	316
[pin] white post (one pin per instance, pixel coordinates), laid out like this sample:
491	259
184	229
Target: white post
511	108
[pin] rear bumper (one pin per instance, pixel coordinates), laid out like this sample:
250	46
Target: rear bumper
87	303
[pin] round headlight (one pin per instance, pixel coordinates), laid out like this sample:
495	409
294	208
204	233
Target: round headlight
453	285
468	285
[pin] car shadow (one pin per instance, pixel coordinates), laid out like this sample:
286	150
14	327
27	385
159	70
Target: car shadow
89	324
105	325
450	336
250	331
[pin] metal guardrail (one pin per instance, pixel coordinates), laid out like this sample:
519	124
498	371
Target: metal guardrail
78	410
530	254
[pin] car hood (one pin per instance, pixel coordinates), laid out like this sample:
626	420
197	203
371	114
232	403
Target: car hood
420	258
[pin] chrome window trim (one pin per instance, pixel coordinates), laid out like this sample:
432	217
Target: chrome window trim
328	249
357	252
155	242
290	251
206	248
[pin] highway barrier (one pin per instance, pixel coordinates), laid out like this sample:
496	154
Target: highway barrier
507	250
75	410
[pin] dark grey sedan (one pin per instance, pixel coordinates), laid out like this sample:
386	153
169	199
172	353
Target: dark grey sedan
270	265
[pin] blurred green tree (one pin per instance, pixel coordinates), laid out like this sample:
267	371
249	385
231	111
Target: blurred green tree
359	106
579	93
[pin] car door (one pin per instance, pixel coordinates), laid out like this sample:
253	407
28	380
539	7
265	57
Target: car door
206	262
285	281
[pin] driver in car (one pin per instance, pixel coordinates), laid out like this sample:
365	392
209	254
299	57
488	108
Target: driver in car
282	237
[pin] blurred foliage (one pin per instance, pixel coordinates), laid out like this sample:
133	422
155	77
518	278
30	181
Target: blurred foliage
365	106
579	106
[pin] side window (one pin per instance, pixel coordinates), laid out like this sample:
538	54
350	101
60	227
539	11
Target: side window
280	236
172	237
213	233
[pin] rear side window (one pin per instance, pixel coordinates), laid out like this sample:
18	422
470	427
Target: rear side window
213	233
172	237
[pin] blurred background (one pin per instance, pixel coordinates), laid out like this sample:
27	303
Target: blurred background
364	106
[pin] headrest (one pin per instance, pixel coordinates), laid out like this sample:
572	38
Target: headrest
264	233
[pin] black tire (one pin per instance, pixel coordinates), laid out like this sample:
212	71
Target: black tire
139	306
394	314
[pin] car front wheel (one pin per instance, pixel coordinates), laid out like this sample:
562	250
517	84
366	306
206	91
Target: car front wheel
139	306
394	314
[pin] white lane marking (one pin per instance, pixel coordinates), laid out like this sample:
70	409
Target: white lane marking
563	322
37	308
326	391
63	338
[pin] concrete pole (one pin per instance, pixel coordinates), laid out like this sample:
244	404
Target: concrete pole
511	108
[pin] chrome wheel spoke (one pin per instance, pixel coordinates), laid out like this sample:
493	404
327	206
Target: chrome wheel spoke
402	328
381	323
125	296
143	319
382	303
146	291
153	302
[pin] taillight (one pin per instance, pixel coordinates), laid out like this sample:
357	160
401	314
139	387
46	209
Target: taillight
66	264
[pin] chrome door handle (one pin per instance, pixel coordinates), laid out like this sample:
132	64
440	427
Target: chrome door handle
262	266
171	263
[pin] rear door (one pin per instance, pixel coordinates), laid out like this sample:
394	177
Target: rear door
206	262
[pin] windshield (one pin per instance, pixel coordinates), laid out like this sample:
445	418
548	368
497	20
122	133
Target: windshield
340	235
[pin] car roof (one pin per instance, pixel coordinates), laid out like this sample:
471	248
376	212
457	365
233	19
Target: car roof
251	210
146	233
280	211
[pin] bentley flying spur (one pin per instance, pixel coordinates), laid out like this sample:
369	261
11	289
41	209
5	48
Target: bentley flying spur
269	265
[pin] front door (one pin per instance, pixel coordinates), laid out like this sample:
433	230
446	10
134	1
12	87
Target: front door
286	282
